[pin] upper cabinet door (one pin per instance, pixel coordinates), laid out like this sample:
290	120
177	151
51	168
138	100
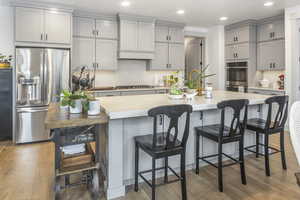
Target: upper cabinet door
83	27
107	29
106	54
176	56
146	36
29	25
278	54
264	59
230	52
242	51
128	35
58	27
229	37
242	34
279	29
161	33
161	59
83	52
176	35
271	31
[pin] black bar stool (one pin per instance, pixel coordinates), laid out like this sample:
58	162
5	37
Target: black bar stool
164	145
223	134
270	126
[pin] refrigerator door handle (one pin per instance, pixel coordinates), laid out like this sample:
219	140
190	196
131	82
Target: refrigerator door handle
48	78
32	110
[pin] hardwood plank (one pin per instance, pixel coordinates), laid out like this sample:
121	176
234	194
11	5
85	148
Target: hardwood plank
27	172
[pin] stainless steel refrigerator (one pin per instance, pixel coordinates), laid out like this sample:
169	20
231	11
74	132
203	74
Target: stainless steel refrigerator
41	73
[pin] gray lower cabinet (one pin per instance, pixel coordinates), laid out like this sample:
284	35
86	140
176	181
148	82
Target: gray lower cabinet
270	55
128	93
107	94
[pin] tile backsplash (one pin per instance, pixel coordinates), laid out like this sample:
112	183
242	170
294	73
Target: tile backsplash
130	72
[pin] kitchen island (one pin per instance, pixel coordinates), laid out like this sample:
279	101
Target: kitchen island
128	118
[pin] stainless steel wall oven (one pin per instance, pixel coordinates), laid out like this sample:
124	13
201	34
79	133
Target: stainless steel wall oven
237	76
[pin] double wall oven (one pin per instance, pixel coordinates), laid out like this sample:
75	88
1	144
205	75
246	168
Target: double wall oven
237	76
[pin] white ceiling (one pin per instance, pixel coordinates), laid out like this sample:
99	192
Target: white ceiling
202	13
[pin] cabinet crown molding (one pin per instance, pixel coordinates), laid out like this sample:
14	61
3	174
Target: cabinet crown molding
170	23
130	17
249	22
94	15
271	19
40	5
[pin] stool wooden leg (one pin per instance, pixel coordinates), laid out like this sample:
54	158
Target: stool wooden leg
136	176
267	164
166	170
183	176
257	144
220	169
197	153
153	178
242	164
282	150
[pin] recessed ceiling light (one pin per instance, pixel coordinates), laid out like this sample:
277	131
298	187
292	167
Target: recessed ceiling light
269	3
180	12
223	18
125	3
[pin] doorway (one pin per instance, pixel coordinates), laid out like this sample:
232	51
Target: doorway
194	54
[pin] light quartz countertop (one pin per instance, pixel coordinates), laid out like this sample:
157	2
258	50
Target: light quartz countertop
119	107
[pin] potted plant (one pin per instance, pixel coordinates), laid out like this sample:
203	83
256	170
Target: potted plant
175	91
91	105
200	77
73	100
5	61
191	86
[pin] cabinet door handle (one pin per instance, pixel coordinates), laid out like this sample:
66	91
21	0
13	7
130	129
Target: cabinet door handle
274	65
167	37
46	36
97	32
237	39
273	34
41	36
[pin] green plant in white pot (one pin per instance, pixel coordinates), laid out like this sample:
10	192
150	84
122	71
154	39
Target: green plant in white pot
73	100
91	105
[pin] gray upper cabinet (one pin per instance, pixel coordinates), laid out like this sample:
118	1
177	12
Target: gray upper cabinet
271	30
271	55
106	29
240	35
58	27
83	52
106	54
168	56
176	56
95	43
136	37
161	60
45	26
164	33
83	27
29	32
161	33
99	28
237	52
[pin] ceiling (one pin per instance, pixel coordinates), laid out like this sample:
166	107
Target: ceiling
202	13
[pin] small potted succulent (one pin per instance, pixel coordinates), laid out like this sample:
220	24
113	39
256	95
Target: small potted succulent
5	61
73	101
91	105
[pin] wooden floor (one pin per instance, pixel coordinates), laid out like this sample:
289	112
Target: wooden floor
26	172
